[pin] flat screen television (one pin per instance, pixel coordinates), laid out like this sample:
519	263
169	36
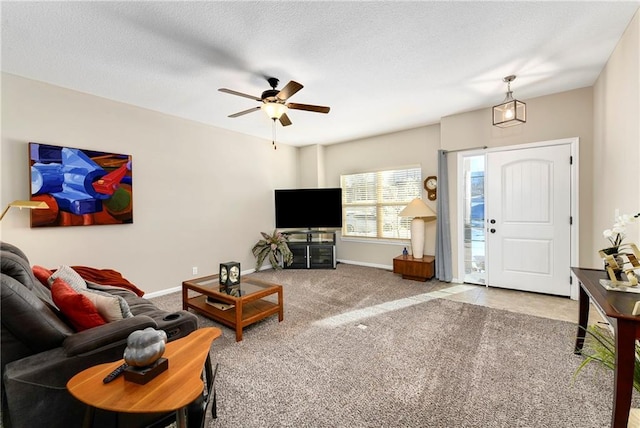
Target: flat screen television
308	208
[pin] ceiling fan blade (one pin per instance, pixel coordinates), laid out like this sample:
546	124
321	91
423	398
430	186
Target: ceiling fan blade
284	120
240	113
291	88
309	107
240	94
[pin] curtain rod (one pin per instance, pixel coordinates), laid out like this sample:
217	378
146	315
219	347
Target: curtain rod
462	150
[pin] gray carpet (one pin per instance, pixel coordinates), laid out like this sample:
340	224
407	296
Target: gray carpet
360	347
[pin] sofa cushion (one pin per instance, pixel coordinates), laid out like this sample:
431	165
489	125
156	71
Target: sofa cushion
82	314
30	320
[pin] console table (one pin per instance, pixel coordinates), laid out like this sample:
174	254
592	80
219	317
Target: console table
415	269
617	306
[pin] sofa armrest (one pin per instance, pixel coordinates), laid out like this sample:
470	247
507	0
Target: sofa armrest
104	335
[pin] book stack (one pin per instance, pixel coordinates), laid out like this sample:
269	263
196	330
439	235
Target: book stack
219	305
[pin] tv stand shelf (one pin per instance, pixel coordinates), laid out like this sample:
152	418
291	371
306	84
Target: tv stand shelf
312	249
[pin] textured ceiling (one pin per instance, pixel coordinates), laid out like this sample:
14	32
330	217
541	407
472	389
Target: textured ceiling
381	66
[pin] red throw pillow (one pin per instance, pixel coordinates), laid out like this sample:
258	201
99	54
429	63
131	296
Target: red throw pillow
82	314
42	274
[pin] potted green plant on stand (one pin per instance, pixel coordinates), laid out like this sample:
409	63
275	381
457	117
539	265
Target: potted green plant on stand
275	248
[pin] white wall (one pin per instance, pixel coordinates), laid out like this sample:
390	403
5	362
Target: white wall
201	194
616	152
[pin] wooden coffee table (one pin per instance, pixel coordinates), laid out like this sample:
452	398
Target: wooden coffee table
172	390
249	307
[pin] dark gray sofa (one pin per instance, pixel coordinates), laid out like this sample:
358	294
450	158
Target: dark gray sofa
41	352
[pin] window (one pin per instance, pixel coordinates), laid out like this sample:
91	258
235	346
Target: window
371	202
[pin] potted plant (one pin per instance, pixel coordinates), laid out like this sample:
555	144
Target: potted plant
274	247
599	347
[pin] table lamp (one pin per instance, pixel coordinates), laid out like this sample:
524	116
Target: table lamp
32	205
420	212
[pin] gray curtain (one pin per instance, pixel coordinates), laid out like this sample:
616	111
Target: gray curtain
443	231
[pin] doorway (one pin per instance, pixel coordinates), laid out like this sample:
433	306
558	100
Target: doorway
518	225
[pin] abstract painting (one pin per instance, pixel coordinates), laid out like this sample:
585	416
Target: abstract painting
81	187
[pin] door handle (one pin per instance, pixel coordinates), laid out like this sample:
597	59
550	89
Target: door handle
492	221
492	230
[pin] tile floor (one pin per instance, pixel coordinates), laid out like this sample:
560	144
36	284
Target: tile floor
542	305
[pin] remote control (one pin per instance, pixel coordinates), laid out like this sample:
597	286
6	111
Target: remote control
114	374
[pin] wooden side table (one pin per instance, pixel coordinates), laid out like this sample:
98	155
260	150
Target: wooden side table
415	269
172	390
618	308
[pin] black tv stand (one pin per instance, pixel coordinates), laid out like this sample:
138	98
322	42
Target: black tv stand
312	249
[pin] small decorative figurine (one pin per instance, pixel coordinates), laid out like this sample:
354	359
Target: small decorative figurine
145	347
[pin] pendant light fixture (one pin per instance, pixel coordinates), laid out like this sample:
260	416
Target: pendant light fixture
511	112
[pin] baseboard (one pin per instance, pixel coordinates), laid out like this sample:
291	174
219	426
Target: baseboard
373	265
162	292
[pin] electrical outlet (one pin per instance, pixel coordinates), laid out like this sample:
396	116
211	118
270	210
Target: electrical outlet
195	270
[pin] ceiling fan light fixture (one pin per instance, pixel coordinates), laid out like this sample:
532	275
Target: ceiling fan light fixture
274	110
511	111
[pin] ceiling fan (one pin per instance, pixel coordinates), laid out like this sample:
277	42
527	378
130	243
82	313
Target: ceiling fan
274	101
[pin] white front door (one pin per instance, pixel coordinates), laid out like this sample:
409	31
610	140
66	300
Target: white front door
528	219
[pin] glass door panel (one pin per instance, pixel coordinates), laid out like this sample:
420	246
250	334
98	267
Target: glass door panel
474	220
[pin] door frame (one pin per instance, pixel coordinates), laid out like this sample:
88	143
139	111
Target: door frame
573	143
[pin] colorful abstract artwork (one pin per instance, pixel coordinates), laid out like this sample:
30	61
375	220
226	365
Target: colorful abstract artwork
81	187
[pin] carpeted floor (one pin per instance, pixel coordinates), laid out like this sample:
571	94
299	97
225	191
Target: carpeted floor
360	347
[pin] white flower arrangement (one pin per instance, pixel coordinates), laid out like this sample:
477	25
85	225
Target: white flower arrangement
616	234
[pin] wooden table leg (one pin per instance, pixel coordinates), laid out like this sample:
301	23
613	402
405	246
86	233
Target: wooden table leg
625	332
239	320
88	417
185	297
583	319
181	418
280	305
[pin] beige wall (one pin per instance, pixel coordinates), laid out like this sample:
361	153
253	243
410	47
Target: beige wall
557	116
310	167
202	194
563	115
616	152
399	149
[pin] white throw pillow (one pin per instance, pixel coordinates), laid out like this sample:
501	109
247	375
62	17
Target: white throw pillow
70	276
